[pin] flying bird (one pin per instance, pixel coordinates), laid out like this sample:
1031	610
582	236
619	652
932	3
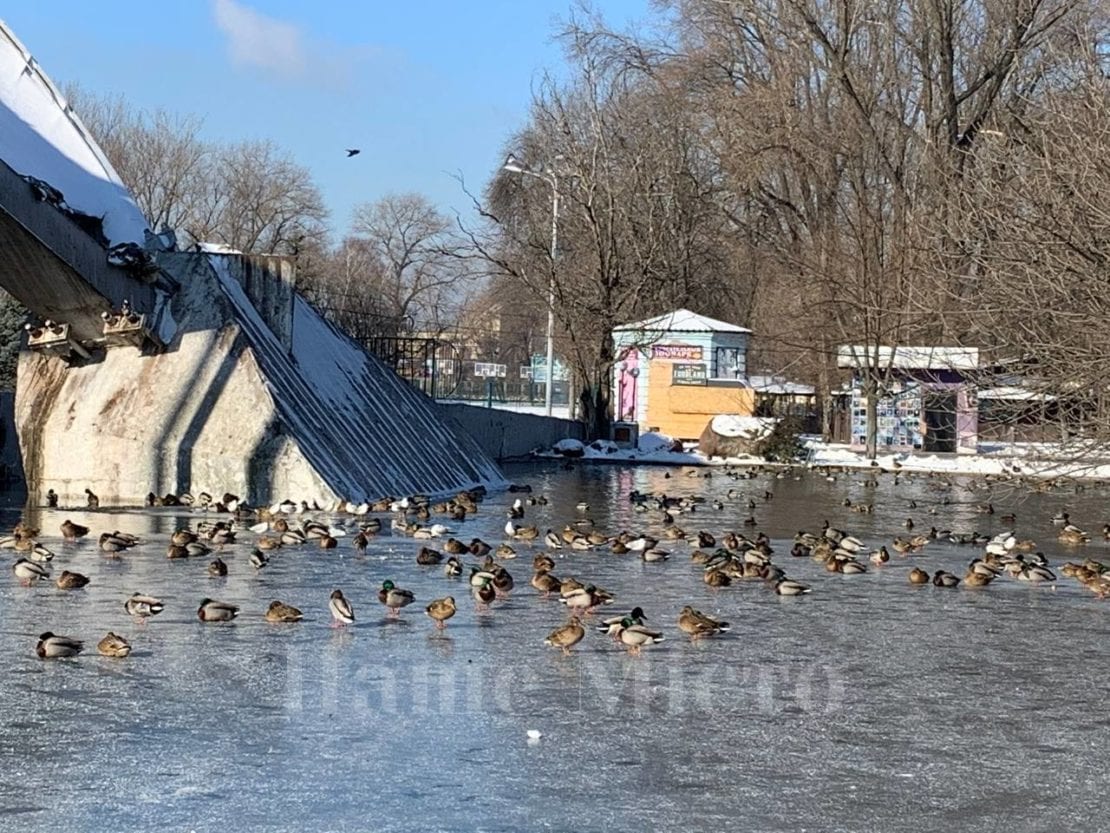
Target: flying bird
353	152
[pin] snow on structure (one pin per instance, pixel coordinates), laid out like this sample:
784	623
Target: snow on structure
41	137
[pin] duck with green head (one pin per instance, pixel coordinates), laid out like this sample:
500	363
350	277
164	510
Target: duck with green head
394	597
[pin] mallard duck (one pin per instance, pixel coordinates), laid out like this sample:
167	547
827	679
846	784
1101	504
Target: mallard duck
637	636
918	576
279	612
1036	573
91	499
698	625
441	610
453	546
258	559
71	581
566	636
28	571
479	548
428	557
174	551
183	537
526	533
716	578
341	610
505	551
789	587
213	611
394	598
484	593
585	598
113	645
850	568
974	579
945	579
1073	535
546	583
453	567
543	562
611	626
142	607
217	568
880	556
56	647
72	531
502	581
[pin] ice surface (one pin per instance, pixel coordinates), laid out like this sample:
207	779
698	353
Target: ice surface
870	705
41	137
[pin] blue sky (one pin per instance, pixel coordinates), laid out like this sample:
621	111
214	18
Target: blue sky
426	88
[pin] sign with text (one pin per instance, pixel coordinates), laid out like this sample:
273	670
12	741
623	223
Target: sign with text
689	374
491	370
677	352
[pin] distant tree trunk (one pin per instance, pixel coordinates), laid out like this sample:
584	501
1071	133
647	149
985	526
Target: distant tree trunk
871	391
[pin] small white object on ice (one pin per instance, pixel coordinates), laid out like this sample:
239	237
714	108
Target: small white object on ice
534	735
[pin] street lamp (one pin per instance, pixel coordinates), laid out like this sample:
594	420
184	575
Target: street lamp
549	176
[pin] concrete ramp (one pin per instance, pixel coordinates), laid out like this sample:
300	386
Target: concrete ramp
268	411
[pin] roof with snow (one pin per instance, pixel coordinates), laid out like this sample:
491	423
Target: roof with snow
773	385
681	321
41	137
908	358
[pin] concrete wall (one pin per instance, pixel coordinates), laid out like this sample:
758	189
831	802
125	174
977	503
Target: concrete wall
506	435
298	411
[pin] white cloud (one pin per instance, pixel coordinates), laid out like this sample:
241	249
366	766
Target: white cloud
255	40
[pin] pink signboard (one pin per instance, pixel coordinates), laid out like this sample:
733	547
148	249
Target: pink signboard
677	352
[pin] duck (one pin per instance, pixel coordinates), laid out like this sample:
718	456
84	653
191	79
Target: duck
91	499
51	499
440	610
394	598
71	581
880	556
716	578
28	571
789	587
611	626
945	579
71	531
566	636
213	611
428	557
637	636
504	551
484	593
453	567
1036	573
142	607
113	645
341	610
479	548
51	646
975	579
546	583
502	580
585	598
918	576
258	559
1073	535
217	568
698	625
279	612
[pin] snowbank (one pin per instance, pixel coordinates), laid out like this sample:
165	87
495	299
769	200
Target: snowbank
748	427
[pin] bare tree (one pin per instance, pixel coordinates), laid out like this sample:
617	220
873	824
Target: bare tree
416	278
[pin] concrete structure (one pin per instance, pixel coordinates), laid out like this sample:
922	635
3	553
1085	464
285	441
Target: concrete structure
929	400
168	371
676	371
506	435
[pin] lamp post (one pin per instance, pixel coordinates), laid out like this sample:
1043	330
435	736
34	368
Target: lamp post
549	176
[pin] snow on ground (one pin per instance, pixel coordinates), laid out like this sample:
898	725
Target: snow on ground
41	137
1045	460
557	411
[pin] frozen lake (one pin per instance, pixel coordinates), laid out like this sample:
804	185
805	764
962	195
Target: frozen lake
870	705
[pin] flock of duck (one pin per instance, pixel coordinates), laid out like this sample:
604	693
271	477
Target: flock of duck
733	557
